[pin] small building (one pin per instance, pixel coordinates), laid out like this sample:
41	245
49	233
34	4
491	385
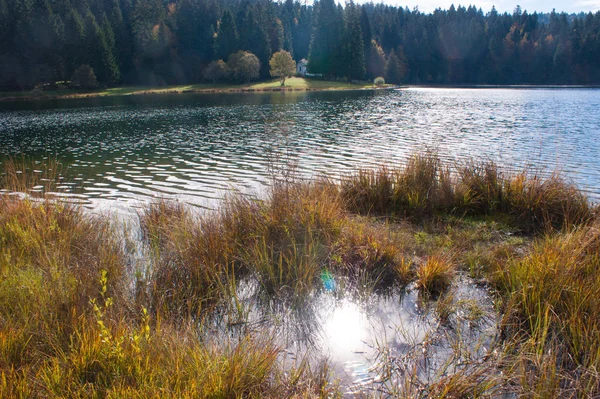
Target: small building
301	67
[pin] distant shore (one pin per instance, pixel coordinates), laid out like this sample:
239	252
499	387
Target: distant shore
295	84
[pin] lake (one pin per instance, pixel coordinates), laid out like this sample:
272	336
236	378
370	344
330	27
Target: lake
123	151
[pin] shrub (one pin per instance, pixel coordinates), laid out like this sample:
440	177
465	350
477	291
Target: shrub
216	71
379	81
244	66
84	77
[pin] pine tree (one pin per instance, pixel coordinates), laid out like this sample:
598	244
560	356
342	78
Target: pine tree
254	38
227	36
354	55
100	56
376	62
325	44
395	70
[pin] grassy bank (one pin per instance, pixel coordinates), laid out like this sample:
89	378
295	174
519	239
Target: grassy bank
82	316
291	84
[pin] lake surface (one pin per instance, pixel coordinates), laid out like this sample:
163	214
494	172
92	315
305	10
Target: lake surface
123	151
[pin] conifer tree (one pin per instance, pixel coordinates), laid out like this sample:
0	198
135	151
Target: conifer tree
254	38
227	36
354	55
325	44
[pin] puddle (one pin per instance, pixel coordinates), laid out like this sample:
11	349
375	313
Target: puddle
372	341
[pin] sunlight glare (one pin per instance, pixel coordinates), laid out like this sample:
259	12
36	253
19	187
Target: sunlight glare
345	328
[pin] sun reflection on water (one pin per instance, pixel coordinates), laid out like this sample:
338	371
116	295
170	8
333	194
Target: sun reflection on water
345	330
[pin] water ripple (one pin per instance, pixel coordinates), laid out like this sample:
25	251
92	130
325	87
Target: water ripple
198	147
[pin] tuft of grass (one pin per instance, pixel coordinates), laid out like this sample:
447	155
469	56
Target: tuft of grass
369	192
191	258
416	190
424	187
435	274
283	241
553	307
371	252
480	187
551	203
418	185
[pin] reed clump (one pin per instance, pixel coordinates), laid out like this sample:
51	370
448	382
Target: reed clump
190	258
553	311
30	177
283	241
418	189
424	187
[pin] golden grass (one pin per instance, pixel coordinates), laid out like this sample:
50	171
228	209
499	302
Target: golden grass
553	311
435	274
424	187
76	322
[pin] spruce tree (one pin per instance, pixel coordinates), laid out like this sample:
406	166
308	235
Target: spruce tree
254	38
325	44
227	36
354	55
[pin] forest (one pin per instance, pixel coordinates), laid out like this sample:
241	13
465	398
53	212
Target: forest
158	42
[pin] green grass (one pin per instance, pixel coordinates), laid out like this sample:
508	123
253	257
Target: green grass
294	83
76	320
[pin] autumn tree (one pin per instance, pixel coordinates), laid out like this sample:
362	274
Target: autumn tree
216	71
84	77
244	66
282	65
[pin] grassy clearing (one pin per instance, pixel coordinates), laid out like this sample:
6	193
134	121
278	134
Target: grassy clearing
77	321
293	83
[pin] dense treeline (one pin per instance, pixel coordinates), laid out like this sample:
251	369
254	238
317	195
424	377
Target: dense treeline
172	42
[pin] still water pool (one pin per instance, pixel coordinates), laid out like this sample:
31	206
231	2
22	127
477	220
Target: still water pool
121	151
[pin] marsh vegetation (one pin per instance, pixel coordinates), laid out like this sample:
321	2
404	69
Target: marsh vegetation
168	307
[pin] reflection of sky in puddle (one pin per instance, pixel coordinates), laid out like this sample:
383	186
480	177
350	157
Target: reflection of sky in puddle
353	333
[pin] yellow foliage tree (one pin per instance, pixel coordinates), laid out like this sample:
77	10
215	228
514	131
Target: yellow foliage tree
282	65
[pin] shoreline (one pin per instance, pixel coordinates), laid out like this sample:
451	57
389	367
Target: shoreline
333	86
201	90
495	269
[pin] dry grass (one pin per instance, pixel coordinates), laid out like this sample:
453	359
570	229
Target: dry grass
27	176
425	187
70	325
435	274
74	323
553	311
